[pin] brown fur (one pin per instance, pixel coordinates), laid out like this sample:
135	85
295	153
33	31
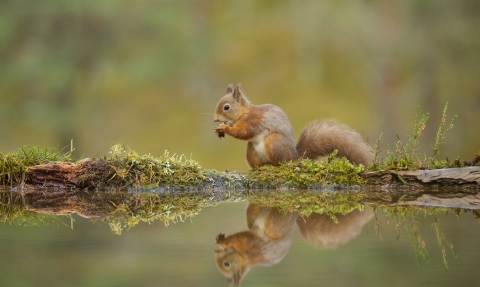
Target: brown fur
270	137
321	231
322	138
270	234
266	242
252	158
278	148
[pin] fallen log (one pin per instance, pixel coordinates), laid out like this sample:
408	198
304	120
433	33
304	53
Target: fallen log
98	173
446	177
102	188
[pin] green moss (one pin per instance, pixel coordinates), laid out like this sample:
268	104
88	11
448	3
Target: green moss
305	173
13	211
128	169
127	210
120	209
132	170
306	202
13	165
124	168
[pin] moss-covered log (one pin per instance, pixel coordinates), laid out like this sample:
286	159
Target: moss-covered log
31	166
98	173
37	185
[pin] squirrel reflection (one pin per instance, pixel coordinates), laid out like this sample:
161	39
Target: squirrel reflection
270	233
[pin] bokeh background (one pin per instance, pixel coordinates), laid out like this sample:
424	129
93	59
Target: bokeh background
148	74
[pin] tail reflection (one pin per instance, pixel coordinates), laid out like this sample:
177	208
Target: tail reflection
321	231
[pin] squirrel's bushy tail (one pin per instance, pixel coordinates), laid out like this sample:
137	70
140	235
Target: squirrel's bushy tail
321	138
321	231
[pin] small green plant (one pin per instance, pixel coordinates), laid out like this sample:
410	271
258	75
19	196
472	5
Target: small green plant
406	155
13	165
418	126
377	148
406	220
441	133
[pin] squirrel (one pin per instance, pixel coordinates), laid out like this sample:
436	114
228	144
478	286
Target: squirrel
320	230
270	235
270	135
266	242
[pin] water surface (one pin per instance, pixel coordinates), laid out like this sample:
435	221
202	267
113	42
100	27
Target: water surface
182	254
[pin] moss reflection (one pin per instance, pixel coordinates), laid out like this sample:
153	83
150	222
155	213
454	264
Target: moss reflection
324	218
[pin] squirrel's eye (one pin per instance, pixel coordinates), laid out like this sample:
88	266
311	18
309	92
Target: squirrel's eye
226	107
226	264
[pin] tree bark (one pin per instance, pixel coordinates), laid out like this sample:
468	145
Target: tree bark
465	176
70	189
81	175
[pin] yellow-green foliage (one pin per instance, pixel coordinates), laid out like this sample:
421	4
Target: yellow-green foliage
13	211
124	168
305	173
125	210
120	209
14	164
306	202
130	169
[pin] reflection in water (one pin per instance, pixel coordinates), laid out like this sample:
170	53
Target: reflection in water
266	242
120	209
321	230
270	233
325	219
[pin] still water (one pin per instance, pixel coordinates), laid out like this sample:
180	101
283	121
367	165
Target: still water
367	251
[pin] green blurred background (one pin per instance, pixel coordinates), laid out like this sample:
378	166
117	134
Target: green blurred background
148	74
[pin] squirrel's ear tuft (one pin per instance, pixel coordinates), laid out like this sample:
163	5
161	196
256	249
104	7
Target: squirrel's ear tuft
229	89
237	94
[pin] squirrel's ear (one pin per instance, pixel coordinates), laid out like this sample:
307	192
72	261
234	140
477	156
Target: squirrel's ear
237	94
230	89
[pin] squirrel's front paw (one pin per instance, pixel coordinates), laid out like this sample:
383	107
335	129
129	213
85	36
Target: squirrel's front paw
220	134
220	130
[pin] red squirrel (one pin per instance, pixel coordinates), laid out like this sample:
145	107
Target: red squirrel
270	135
266	242
270	234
